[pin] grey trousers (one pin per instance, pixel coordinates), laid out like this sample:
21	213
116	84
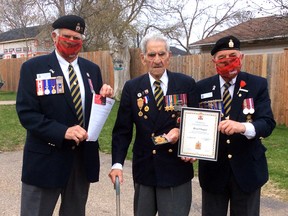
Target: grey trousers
37	201
170	201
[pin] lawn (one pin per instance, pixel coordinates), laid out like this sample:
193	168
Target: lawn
12	137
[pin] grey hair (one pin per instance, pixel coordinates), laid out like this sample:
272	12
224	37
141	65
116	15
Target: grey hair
154	37
57	31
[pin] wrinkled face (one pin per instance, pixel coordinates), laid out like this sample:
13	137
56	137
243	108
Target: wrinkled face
156	58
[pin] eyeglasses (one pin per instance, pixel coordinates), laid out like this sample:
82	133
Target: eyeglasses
152	55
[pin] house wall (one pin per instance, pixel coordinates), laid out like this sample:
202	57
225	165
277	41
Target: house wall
28	48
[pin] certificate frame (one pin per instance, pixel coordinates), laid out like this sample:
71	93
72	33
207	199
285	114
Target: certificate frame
199	135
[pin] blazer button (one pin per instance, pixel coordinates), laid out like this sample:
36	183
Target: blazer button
152	134
228	141
170	150
229	156
173	116
73	147
154	152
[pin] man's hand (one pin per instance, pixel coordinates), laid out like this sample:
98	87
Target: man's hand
230	127
106	91
173	135
188	159
116	172
76	133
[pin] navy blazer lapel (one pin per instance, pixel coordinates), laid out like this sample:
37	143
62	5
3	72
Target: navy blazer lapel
88	90
146	90
238	97
163	115
54	64
215	87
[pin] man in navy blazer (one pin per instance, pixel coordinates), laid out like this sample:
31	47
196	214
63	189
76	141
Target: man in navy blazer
162	180
241	169
57	158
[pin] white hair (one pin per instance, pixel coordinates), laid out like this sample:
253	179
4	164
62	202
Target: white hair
153	37
57	32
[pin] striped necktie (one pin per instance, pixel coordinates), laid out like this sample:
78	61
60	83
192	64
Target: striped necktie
76	95
158	94
227	99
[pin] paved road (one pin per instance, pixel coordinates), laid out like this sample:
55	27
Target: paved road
102	199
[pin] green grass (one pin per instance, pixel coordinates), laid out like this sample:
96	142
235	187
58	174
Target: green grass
12	134
12	137
5	96
277	156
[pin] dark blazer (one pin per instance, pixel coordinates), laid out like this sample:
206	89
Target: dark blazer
245	158
48	157
152	165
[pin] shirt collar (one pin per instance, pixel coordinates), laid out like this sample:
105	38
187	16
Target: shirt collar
63	62
163	79
222	81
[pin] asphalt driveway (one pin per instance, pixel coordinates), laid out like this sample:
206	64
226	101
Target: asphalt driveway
102	197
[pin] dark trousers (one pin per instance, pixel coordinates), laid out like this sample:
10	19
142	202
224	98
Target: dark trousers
241	203
170	201
36	201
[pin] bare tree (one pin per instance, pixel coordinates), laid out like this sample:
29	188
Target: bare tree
189	20
270	7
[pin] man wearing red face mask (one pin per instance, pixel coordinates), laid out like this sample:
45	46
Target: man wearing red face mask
53	104
241	168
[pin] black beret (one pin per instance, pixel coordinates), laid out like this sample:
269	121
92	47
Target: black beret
72	22
226	43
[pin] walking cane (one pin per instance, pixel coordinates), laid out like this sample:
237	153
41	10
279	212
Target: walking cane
117	188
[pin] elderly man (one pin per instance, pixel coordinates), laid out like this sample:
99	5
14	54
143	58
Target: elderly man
241	168
162	180
53	104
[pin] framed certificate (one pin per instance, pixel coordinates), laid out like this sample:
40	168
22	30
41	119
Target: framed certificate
199	136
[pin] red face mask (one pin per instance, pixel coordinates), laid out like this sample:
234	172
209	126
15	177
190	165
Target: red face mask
71	49
228	67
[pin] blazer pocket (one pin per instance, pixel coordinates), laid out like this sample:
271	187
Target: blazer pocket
39	147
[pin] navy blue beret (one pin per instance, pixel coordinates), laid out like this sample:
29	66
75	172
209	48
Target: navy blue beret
226	43
72	22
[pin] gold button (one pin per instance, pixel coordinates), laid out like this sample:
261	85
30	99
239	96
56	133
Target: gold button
229	156
228	141
173	115
154	151
152	134
170	150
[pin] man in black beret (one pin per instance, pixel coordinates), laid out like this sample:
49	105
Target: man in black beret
241	167
53	104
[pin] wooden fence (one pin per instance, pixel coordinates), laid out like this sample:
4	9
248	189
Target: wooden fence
274	67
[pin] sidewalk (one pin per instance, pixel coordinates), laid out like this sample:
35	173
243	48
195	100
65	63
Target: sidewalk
7	102
102	198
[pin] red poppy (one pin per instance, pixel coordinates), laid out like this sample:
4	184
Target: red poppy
242	84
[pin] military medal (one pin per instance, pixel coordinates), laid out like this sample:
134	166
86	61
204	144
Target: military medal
39	86
248	106
146	100
59	85
140	103
47	91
